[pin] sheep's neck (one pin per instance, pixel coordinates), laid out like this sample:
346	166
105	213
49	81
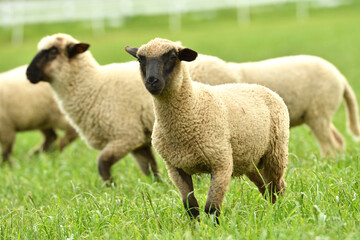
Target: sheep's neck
177	100
77	92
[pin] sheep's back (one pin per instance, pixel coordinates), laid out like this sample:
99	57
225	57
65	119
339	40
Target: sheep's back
211	70
304	82
27	106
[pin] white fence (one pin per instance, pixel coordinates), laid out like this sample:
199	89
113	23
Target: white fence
17	13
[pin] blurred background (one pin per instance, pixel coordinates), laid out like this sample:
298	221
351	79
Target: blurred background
234	30
16	14
61	196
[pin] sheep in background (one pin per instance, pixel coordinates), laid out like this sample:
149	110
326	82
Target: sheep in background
227	130
107	105
24	107
311	87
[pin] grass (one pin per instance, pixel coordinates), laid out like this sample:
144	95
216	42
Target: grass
61	196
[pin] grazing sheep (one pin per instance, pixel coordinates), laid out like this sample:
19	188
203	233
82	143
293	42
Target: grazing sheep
108	105
225	130
24	107
311	87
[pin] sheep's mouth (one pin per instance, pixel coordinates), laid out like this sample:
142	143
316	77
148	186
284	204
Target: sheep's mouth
34	76
154	89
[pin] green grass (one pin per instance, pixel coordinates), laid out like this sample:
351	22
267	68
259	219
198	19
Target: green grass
61	196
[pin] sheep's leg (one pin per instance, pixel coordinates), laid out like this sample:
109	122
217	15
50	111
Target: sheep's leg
339	139
50	137
70	136
113	152
258	179
7	141
273	171
146	160
275	186
220	181
323	134
184	183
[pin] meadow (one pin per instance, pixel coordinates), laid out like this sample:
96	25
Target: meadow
61	195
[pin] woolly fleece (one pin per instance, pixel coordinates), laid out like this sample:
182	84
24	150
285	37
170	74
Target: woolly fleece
311	87
224	130
108	105
24	106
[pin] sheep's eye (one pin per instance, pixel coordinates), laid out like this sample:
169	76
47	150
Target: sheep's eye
169	65
173	57
141	59
52	54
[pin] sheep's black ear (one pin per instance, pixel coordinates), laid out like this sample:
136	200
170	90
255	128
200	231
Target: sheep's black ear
131	50
187	54
74	49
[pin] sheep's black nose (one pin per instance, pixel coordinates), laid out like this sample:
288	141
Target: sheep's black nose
34	74
152	80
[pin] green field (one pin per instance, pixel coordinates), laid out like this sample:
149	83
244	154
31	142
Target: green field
61	195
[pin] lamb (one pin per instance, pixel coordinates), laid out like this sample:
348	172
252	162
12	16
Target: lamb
107	104
26	107
311	87
226	130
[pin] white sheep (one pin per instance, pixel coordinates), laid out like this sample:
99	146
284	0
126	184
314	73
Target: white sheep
311	87
24	107
227	130
108	105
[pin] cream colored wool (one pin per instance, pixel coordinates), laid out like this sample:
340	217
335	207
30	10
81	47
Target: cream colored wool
108	105
24	106
311	87
226	130
212	70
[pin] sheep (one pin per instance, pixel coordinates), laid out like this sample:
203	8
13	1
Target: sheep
27	107
226	130
311	87
107	104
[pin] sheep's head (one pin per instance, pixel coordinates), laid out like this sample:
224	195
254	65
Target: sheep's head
53	52
159	62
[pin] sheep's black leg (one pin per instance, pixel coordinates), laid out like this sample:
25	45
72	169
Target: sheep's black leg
50	137
109	156
263	183
258	180
214	209
184	183
146	160
273	172
190	203
104	167
6	157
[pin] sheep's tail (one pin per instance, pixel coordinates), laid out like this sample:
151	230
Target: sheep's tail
352	110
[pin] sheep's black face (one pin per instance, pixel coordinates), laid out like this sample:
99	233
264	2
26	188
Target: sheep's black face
157	71
38	67
34	71
150	70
